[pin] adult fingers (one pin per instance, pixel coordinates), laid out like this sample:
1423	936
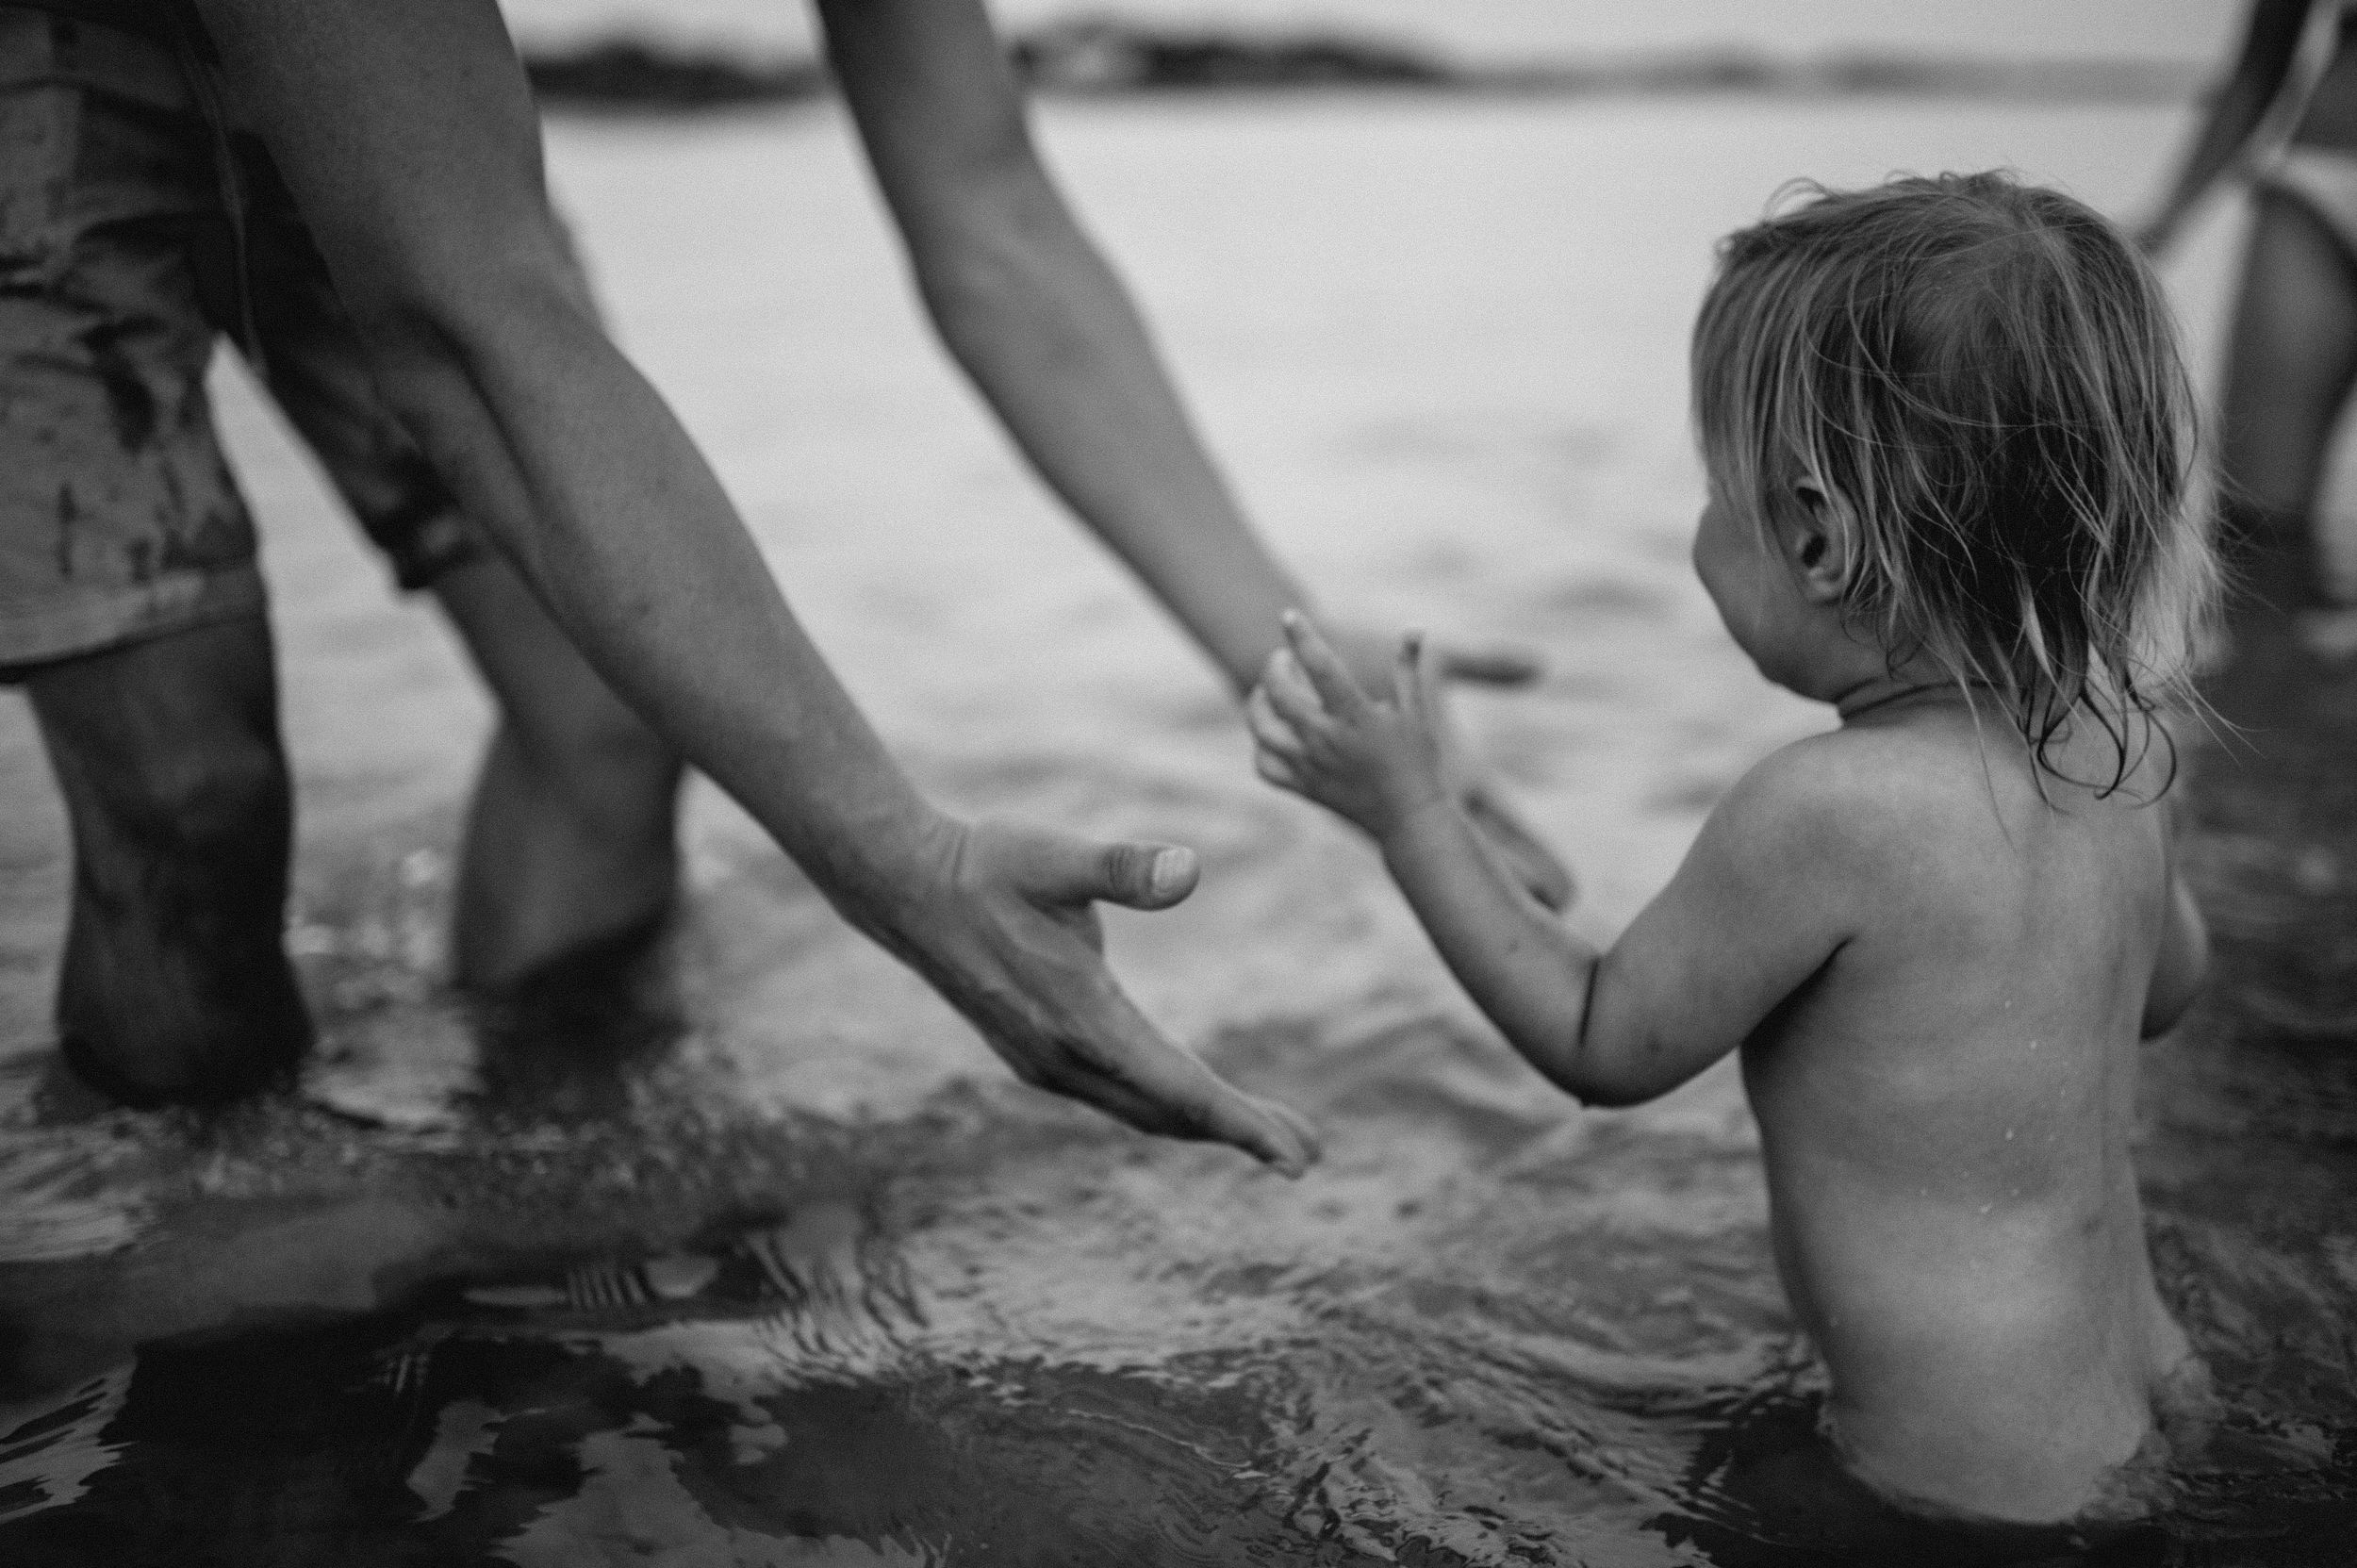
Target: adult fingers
1294	1119
1325	668
1517	850
1496	664
1038	989
1156	1087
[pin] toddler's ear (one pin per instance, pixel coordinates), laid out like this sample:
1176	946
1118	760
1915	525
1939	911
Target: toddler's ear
1817	542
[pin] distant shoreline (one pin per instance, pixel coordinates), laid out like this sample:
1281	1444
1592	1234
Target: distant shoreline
1108	59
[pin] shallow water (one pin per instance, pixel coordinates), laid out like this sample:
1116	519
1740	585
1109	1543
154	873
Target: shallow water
770	1264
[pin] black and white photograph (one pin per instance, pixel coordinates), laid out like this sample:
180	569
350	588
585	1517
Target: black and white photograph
1167	784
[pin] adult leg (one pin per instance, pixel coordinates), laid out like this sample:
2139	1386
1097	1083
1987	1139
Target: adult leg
175	984
570	841
134	611
2293	359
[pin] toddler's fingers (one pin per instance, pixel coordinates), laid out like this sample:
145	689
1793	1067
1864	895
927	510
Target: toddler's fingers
1291	693
1269	728
1276	660
1424	676
1276	770
1327	671
1408	691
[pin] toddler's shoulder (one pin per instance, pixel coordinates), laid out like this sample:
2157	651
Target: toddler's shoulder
1846	803
1841	782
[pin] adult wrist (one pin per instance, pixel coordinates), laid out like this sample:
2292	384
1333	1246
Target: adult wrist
1241	635
889	872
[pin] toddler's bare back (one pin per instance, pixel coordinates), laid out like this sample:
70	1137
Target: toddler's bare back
1947	1109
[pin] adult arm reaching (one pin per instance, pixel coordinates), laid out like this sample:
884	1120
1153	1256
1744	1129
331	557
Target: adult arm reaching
2271	42
410	139
1029	308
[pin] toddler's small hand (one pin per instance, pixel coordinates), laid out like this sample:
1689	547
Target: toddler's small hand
1317	733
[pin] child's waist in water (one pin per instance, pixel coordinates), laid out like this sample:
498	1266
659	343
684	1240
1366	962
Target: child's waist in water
1967	1281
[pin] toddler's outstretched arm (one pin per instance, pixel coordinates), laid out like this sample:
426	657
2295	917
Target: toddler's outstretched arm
1379	764
1751	916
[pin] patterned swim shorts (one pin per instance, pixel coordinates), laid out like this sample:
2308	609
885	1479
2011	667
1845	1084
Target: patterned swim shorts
119	516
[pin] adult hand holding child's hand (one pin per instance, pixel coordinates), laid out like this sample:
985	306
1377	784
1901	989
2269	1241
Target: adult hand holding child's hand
1376	763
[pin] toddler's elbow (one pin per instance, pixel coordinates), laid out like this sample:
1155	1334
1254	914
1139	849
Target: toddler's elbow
1600	1095
1613	1069
1594	1079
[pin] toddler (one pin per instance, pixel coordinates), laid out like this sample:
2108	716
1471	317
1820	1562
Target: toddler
1945	427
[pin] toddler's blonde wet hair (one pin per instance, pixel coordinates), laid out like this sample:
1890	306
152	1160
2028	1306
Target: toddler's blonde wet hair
1984	376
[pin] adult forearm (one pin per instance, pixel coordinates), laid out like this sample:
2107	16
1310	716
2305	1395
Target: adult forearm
1030	311
588	484
409	138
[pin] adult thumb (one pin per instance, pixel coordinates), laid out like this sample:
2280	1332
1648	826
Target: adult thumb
1128	872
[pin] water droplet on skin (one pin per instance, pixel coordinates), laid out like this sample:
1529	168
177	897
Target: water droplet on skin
1986	1207
2009	1134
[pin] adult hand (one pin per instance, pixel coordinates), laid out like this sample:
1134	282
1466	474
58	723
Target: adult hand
1518	851
1014	943
1369	653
